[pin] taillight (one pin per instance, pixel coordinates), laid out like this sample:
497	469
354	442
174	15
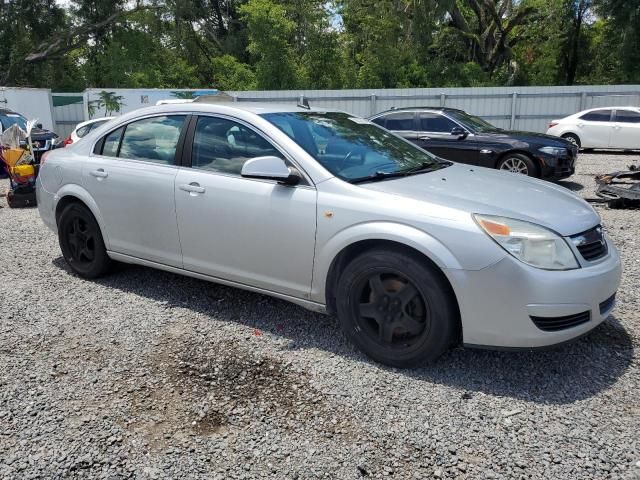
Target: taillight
552	124
68	141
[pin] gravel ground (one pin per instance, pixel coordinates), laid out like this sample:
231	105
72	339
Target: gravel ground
145	374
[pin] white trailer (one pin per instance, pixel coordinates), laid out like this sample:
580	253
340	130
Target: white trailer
33	103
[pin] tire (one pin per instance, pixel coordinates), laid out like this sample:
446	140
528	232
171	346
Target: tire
573	138
81	242
396	308
518	163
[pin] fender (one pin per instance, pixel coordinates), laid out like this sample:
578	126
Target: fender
79	192
395	232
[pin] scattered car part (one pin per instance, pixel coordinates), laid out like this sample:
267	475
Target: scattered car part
620	189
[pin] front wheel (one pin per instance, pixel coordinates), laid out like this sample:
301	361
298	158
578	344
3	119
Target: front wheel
81	242
518	163
396	308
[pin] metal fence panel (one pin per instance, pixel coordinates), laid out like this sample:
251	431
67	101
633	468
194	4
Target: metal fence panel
520	108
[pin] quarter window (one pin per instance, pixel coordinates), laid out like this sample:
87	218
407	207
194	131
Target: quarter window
82	131
402	121
222	145
432	122
152	139
112	142
597	116
627	116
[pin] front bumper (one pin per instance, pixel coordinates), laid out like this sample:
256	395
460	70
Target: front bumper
558	167
498	302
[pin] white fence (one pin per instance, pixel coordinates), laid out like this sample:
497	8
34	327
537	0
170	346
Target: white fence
516	108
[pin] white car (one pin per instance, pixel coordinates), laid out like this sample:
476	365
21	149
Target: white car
610	127
84	128
334	213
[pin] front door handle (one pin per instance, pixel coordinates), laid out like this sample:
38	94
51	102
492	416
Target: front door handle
424	137
192	187
99	173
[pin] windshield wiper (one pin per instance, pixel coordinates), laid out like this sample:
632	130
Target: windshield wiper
422	168
426	167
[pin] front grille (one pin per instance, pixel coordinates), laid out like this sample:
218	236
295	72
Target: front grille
554	324
607	304
591	244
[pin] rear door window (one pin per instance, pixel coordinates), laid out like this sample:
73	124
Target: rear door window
152	139
627	116
597	116
400	122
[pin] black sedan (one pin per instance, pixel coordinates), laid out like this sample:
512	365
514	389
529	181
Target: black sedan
455	135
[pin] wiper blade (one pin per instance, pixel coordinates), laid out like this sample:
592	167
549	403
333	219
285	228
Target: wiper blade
422	168
426	167
379	175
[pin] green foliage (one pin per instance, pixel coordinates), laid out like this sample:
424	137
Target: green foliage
230	74
270	33
317	44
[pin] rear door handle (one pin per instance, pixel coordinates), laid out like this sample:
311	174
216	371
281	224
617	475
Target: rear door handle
192	187
99	173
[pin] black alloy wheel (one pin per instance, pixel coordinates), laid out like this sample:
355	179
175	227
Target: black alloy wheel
81	242
396	307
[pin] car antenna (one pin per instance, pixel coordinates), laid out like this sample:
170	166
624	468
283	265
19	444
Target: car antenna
304	103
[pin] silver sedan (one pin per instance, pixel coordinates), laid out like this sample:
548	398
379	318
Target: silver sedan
329	211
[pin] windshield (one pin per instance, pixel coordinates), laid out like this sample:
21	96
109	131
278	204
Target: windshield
352	148
9	119
471	121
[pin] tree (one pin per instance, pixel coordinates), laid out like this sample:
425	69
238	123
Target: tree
624	17
489	27
270	32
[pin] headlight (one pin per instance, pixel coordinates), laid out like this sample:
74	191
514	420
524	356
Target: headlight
56	141
554	151
529	243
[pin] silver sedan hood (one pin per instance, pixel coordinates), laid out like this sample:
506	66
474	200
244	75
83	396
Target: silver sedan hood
483	190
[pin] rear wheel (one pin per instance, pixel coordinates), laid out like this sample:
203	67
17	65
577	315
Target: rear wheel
396	308
518	163
81	242
573	138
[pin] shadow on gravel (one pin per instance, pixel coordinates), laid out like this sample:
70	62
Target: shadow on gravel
573	186
612	153
562	375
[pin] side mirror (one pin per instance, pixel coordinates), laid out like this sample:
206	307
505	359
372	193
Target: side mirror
39	125
270	168
459	132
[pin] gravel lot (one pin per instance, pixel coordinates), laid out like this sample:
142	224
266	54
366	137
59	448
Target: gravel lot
145	374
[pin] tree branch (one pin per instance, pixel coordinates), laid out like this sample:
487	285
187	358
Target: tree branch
75	38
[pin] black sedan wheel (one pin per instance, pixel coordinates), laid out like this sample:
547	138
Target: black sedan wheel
396	308
518	163
81	242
